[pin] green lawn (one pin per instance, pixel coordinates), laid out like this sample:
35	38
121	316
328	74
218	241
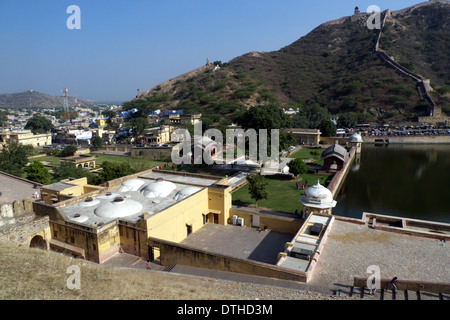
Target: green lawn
307	153
52	159
283	194
139	164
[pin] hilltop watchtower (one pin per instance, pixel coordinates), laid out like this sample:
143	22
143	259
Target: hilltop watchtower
357	10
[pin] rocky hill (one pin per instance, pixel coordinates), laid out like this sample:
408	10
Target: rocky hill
335	66
37	100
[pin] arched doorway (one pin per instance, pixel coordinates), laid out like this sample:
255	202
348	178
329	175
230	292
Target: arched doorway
38	242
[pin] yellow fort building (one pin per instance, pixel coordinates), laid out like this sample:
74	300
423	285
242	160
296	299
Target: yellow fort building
151	214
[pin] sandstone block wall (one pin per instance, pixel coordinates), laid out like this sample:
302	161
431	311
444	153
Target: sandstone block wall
19	224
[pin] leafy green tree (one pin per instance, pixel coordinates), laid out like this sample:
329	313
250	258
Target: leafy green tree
37	172
66	170
138	126
264	117
267	117
38	124
297	167
287	139
145	105
347	120
69	151
97	143
328	128
111	114
257	187
310	117
114	170
3	117
13	157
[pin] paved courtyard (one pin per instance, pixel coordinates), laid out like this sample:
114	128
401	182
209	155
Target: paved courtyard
240	242
13	188
351	248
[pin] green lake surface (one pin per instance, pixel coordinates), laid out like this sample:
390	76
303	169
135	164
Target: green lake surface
405	180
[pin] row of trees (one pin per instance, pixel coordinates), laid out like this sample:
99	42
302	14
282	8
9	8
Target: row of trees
315	116
14	160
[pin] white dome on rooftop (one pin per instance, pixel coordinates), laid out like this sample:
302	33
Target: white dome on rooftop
158	189
356	137
317	196
89	202
185	192
79	218
131	185
118	208
108	195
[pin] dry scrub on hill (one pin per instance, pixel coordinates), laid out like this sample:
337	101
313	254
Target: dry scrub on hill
36	274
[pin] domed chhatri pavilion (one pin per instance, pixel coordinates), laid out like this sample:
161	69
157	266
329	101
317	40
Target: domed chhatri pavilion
355	140
317	199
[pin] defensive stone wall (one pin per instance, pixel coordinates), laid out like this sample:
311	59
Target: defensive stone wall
19	224
423	85
10	212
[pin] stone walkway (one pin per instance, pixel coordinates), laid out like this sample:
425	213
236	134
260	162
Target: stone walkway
352	248
349	251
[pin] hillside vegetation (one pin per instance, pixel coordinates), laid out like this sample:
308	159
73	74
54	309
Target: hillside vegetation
333	66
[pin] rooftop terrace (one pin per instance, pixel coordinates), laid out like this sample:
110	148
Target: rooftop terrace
148	193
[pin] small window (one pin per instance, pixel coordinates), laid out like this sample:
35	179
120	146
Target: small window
189	229
72	239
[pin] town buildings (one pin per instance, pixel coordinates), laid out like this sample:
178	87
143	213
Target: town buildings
26	137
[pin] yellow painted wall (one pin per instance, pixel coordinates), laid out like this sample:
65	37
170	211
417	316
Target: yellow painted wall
78	237
171	224
219	199
78	182
133	238
74	191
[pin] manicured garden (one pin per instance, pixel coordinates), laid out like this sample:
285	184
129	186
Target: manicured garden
308	153
283	195
139	164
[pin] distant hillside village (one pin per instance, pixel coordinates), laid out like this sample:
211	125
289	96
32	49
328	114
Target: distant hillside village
86	125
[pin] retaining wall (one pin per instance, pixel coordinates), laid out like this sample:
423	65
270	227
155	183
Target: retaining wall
174	253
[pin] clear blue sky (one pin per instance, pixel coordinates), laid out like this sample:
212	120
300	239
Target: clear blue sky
126	45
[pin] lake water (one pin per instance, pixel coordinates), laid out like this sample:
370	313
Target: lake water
411	181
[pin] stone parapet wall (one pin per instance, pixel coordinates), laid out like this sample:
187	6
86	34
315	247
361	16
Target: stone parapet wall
410	139
175	253
24	228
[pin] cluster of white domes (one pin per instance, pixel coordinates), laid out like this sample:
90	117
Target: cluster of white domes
158	189
184	193
118	208
317	196
131	185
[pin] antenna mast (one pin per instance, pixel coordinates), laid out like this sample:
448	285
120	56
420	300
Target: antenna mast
76	101
66	105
